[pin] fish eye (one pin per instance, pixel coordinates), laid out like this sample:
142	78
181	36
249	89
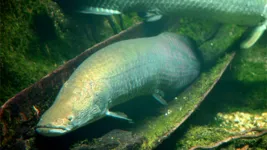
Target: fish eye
70	118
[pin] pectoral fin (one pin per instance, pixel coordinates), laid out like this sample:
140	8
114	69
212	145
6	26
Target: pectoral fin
119	115
99	11
150	17
158	94
255	35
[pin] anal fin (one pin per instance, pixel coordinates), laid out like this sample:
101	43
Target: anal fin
119	115
255	35
99	11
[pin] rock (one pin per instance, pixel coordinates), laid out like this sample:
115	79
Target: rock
115	139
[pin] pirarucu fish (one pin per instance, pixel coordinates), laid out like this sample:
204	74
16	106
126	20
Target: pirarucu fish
241	12
118	73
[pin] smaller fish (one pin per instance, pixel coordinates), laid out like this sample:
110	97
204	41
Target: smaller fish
241	12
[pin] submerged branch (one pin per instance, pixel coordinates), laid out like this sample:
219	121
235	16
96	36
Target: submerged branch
243	135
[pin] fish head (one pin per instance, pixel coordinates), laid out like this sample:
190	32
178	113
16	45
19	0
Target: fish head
71	110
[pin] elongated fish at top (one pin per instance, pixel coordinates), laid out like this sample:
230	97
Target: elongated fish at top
118	73
241	12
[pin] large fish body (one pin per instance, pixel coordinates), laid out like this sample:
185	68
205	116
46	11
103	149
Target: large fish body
241	12
118	73
245	12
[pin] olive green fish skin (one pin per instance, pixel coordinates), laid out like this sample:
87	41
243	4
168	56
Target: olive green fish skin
243	12
116	74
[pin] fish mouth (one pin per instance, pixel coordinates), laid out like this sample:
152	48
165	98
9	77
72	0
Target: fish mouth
51	130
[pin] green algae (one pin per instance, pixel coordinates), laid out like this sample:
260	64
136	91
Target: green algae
212	39
199	30
226	98
257	143
201	135
23	59
252	99
37	37
208	136
129	19
251	65
224	39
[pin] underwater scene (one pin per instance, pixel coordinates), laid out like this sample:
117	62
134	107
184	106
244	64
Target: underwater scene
133	74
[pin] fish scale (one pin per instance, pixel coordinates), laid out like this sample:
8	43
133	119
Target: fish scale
241	12
246	8
234	10
144	61
118	73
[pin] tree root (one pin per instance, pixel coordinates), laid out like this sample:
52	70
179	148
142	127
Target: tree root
243	135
